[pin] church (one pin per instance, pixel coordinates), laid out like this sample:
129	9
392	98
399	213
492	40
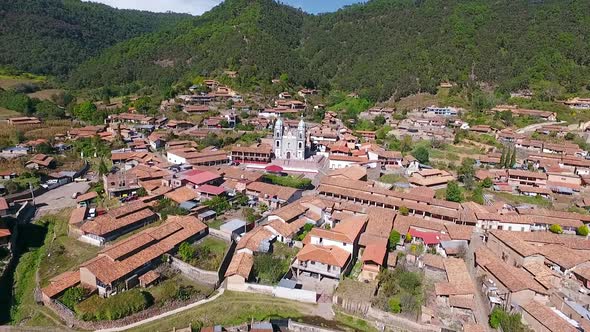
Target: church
289	142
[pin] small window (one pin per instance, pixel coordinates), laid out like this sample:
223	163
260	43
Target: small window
300	145
278	143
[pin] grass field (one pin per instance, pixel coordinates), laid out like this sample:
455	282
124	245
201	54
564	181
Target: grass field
210	252
517	199
230	309
44	94
6	113
63	253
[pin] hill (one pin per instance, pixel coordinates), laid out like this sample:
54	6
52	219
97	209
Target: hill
53	36
381	48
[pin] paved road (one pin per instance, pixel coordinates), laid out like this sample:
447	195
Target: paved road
59	198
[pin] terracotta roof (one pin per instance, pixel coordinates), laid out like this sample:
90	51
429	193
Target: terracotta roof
562	256
201	177
87	196
149	277
329	255
354	172
124	257
182	194
459	232
78	215
375	252
3	204
473	327
290	211
271	190
511	240
435	261
241	264
41	159
547	317
252	239
287	229
118	218
61	282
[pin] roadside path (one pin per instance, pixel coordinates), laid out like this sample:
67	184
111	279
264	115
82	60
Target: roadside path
536	126
165	314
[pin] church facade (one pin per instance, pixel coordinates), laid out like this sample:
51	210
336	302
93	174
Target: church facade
289	142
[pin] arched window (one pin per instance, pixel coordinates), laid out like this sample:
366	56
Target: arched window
278	144
300	145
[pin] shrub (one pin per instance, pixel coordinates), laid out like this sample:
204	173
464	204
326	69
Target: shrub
73	296
555	228
421	154
114	307
404	211
487	183
186	251
582	230
394	238
495	318
454	192
395	305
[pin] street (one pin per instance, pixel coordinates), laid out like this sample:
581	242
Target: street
59	198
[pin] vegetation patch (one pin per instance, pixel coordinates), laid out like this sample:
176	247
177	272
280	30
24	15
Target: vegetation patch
289	181
269	268
113	307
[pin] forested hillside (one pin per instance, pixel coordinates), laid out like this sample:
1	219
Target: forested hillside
379	49
53	36
257	38
382	48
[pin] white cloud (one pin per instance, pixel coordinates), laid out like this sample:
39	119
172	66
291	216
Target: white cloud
195	7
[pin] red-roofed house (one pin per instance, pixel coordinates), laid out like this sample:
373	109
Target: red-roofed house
373	259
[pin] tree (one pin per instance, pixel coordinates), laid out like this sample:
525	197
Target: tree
408	237
512	158
262	207
466	172
487	183
241	199
556	228
102	167
395	305
141	192
50	111
404	211
406	143
379	120
394	238
86	112
73	296
218	204
503	158
454	192
186	251
421	154
582	230
477	195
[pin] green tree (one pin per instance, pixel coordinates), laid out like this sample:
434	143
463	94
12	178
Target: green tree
86	112
421	154
395	305
394	238
512	158
404	211
503	158
50	111
477	195
454	192
466	172
406	143
379	120
186	252
218	204
556	228
102	167
582	230
487	183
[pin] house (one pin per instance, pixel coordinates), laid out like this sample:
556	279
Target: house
432	178
239	270
23	120
578	103
442	111
40	161
373	258
119	266
272	195
3	207
207	157
255	154
540	317
121	183
86	199
117	222
518	177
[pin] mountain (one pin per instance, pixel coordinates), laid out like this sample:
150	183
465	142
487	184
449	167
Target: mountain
258	38
380	48
53	36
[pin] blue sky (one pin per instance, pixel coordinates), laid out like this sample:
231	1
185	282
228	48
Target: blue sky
197	7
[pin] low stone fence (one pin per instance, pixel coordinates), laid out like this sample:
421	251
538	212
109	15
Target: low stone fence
219	234
206	277
399	323
300	327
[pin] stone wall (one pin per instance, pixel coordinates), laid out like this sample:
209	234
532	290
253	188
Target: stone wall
206	277
398	323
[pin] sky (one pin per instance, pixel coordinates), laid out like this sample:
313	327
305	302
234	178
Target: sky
197	7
